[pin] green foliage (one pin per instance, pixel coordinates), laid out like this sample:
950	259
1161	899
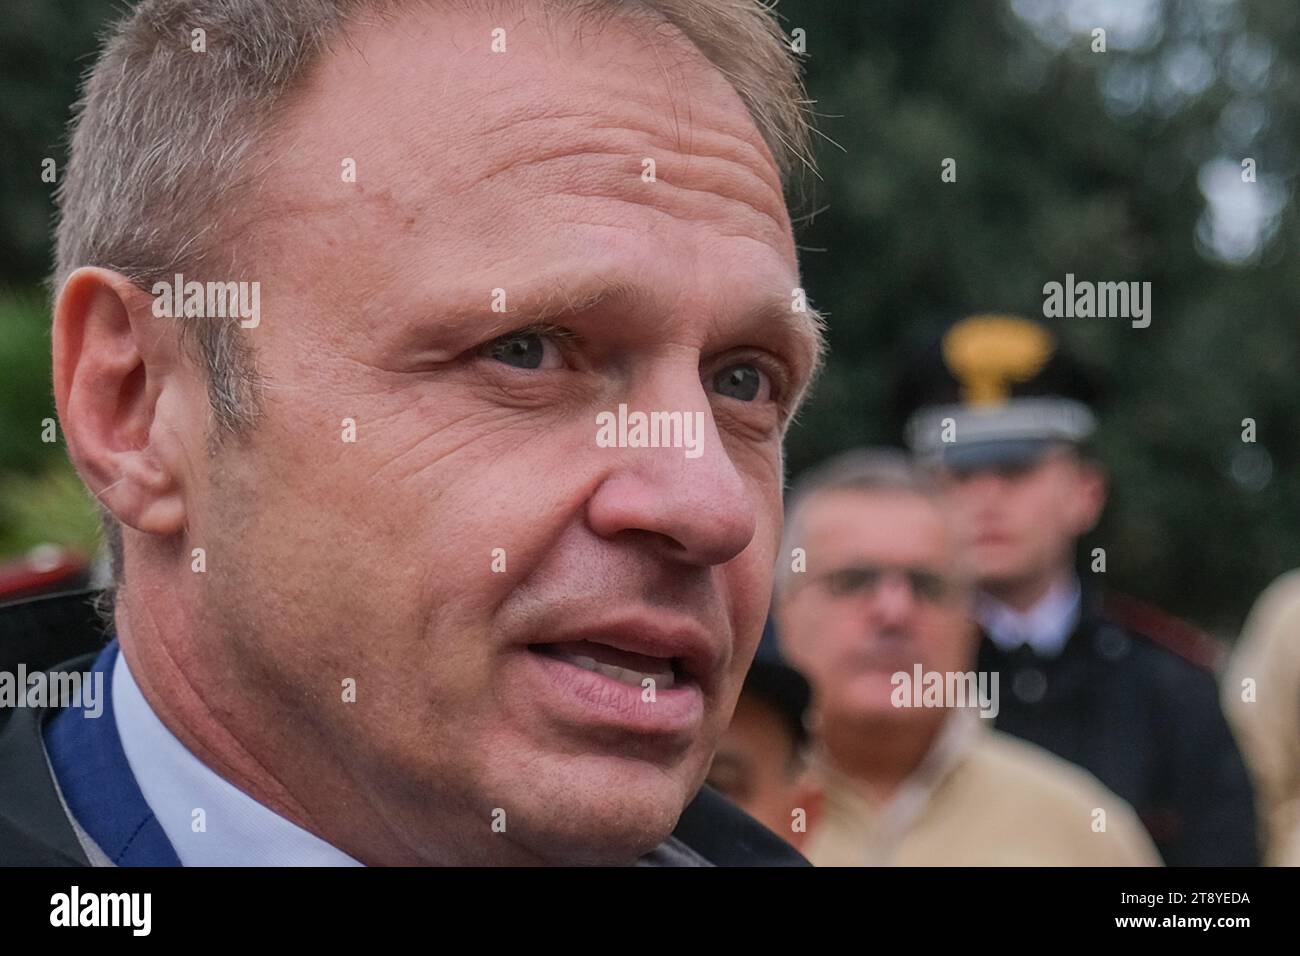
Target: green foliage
53	506
27	401
41	498
1063	168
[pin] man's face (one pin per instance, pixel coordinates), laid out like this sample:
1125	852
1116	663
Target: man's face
473	553
855	618
1022	520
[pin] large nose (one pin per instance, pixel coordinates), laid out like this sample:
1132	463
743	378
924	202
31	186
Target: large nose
695	510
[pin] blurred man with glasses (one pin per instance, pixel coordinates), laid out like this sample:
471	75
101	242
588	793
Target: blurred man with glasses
872	592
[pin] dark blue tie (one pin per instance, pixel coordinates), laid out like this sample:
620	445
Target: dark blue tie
98	786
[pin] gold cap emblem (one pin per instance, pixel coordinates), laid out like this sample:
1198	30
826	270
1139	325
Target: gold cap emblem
987	353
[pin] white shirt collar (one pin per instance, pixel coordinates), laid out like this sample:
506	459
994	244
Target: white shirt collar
1045	627
238	831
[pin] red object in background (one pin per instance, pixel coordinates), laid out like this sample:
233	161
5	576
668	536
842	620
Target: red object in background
1186	640
45	569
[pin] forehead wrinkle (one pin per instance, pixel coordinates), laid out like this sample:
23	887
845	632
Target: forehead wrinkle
409	202
602	93
719	173
417	187
745	154
672	210
712	144
597	101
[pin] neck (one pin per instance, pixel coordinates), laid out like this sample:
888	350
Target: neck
169	665
221	709
881	753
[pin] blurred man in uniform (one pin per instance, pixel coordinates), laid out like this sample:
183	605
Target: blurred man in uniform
1261	695
874	596
760	761
1003	416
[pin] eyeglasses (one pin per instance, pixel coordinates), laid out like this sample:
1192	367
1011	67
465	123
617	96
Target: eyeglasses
863	580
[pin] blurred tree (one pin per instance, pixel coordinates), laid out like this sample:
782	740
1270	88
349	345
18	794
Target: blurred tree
1115	165
44	47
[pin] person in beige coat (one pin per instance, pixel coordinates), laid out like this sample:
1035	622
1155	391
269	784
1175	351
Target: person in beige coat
873	605
1261	696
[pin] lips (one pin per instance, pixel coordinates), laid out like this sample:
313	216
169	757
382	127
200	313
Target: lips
668	648
645	674
623	666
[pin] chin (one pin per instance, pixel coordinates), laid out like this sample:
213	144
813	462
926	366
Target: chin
599	811
872	694
999	569
885	712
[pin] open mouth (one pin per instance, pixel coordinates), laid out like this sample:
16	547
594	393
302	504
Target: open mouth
634	679
625	667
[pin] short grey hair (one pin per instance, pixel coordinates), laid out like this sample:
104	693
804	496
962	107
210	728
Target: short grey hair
160	138
878	470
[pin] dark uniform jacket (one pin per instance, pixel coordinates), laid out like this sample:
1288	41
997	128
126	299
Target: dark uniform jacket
62	633
1141	712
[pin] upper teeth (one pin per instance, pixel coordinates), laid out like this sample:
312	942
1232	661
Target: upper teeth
661	681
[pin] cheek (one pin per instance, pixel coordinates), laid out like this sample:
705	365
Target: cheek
800	630
748	581
829	637
1036	509
749	576
1059	512
1079	509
